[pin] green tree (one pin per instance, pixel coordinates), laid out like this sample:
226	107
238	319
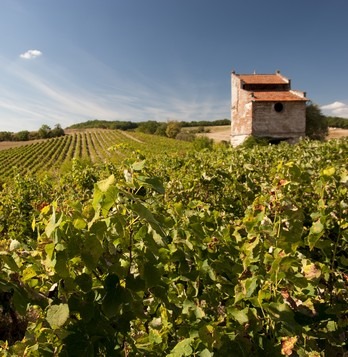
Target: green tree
316	123
44	132
161	129
57	131
337	122
5	136
148	127
21	136
173	129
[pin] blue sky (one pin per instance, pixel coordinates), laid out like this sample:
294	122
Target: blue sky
68	61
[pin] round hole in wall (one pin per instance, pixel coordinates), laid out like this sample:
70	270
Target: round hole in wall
278	107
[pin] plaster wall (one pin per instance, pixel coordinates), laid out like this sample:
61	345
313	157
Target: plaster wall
241	110
290	122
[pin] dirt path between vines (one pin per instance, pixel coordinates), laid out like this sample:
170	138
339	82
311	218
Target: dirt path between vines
130	136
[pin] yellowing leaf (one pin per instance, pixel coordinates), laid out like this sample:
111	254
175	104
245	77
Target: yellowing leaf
288	344
329	171
14	245
49	249
33	224
28	273
105	184
79	223
311	272
344	178
155	337
317	227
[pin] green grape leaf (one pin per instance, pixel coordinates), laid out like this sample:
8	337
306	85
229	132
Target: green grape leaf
316	231
153	182
146	214
84	281
61	265
182	348
104	185
152	275
241	316
155	337
138	166
79	223
52	224
92	250
205	353
57	315
9	261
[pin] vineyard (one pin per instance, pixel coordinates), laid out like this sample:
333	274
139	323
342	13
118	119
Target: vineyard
159	249
92	145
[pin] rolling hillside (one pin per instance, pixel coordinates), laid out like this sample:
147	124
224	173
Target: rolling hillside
95	145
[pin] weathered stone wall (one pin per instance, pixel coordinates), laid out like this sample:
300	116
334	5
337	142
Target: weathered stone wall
290	122
241	113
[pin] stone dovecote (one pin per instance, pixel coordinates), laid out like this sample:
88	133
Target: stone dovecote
264	105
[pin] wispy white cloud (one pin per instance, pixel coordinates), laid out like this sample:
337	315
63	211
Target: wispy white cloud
337	109
49	94
30	54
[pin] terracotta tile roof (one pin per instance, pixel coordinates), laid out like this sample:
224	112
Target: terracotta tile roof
281	96
263	78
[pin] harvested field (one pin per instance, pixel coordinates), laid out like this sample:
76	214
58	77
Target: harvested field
335	133
220	133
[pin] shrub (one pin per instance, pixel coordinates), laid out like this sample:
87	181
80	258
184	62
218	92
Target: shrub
252	141
202	142
173	129
185	136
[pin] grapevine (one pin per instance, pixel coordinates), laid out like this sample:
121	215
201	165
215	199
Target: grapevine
177	252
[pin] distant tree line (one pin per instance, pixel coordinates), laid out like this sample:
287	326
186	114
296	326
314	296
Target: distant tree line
149	126
44	132
171	129
336	122
105	124
218	122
